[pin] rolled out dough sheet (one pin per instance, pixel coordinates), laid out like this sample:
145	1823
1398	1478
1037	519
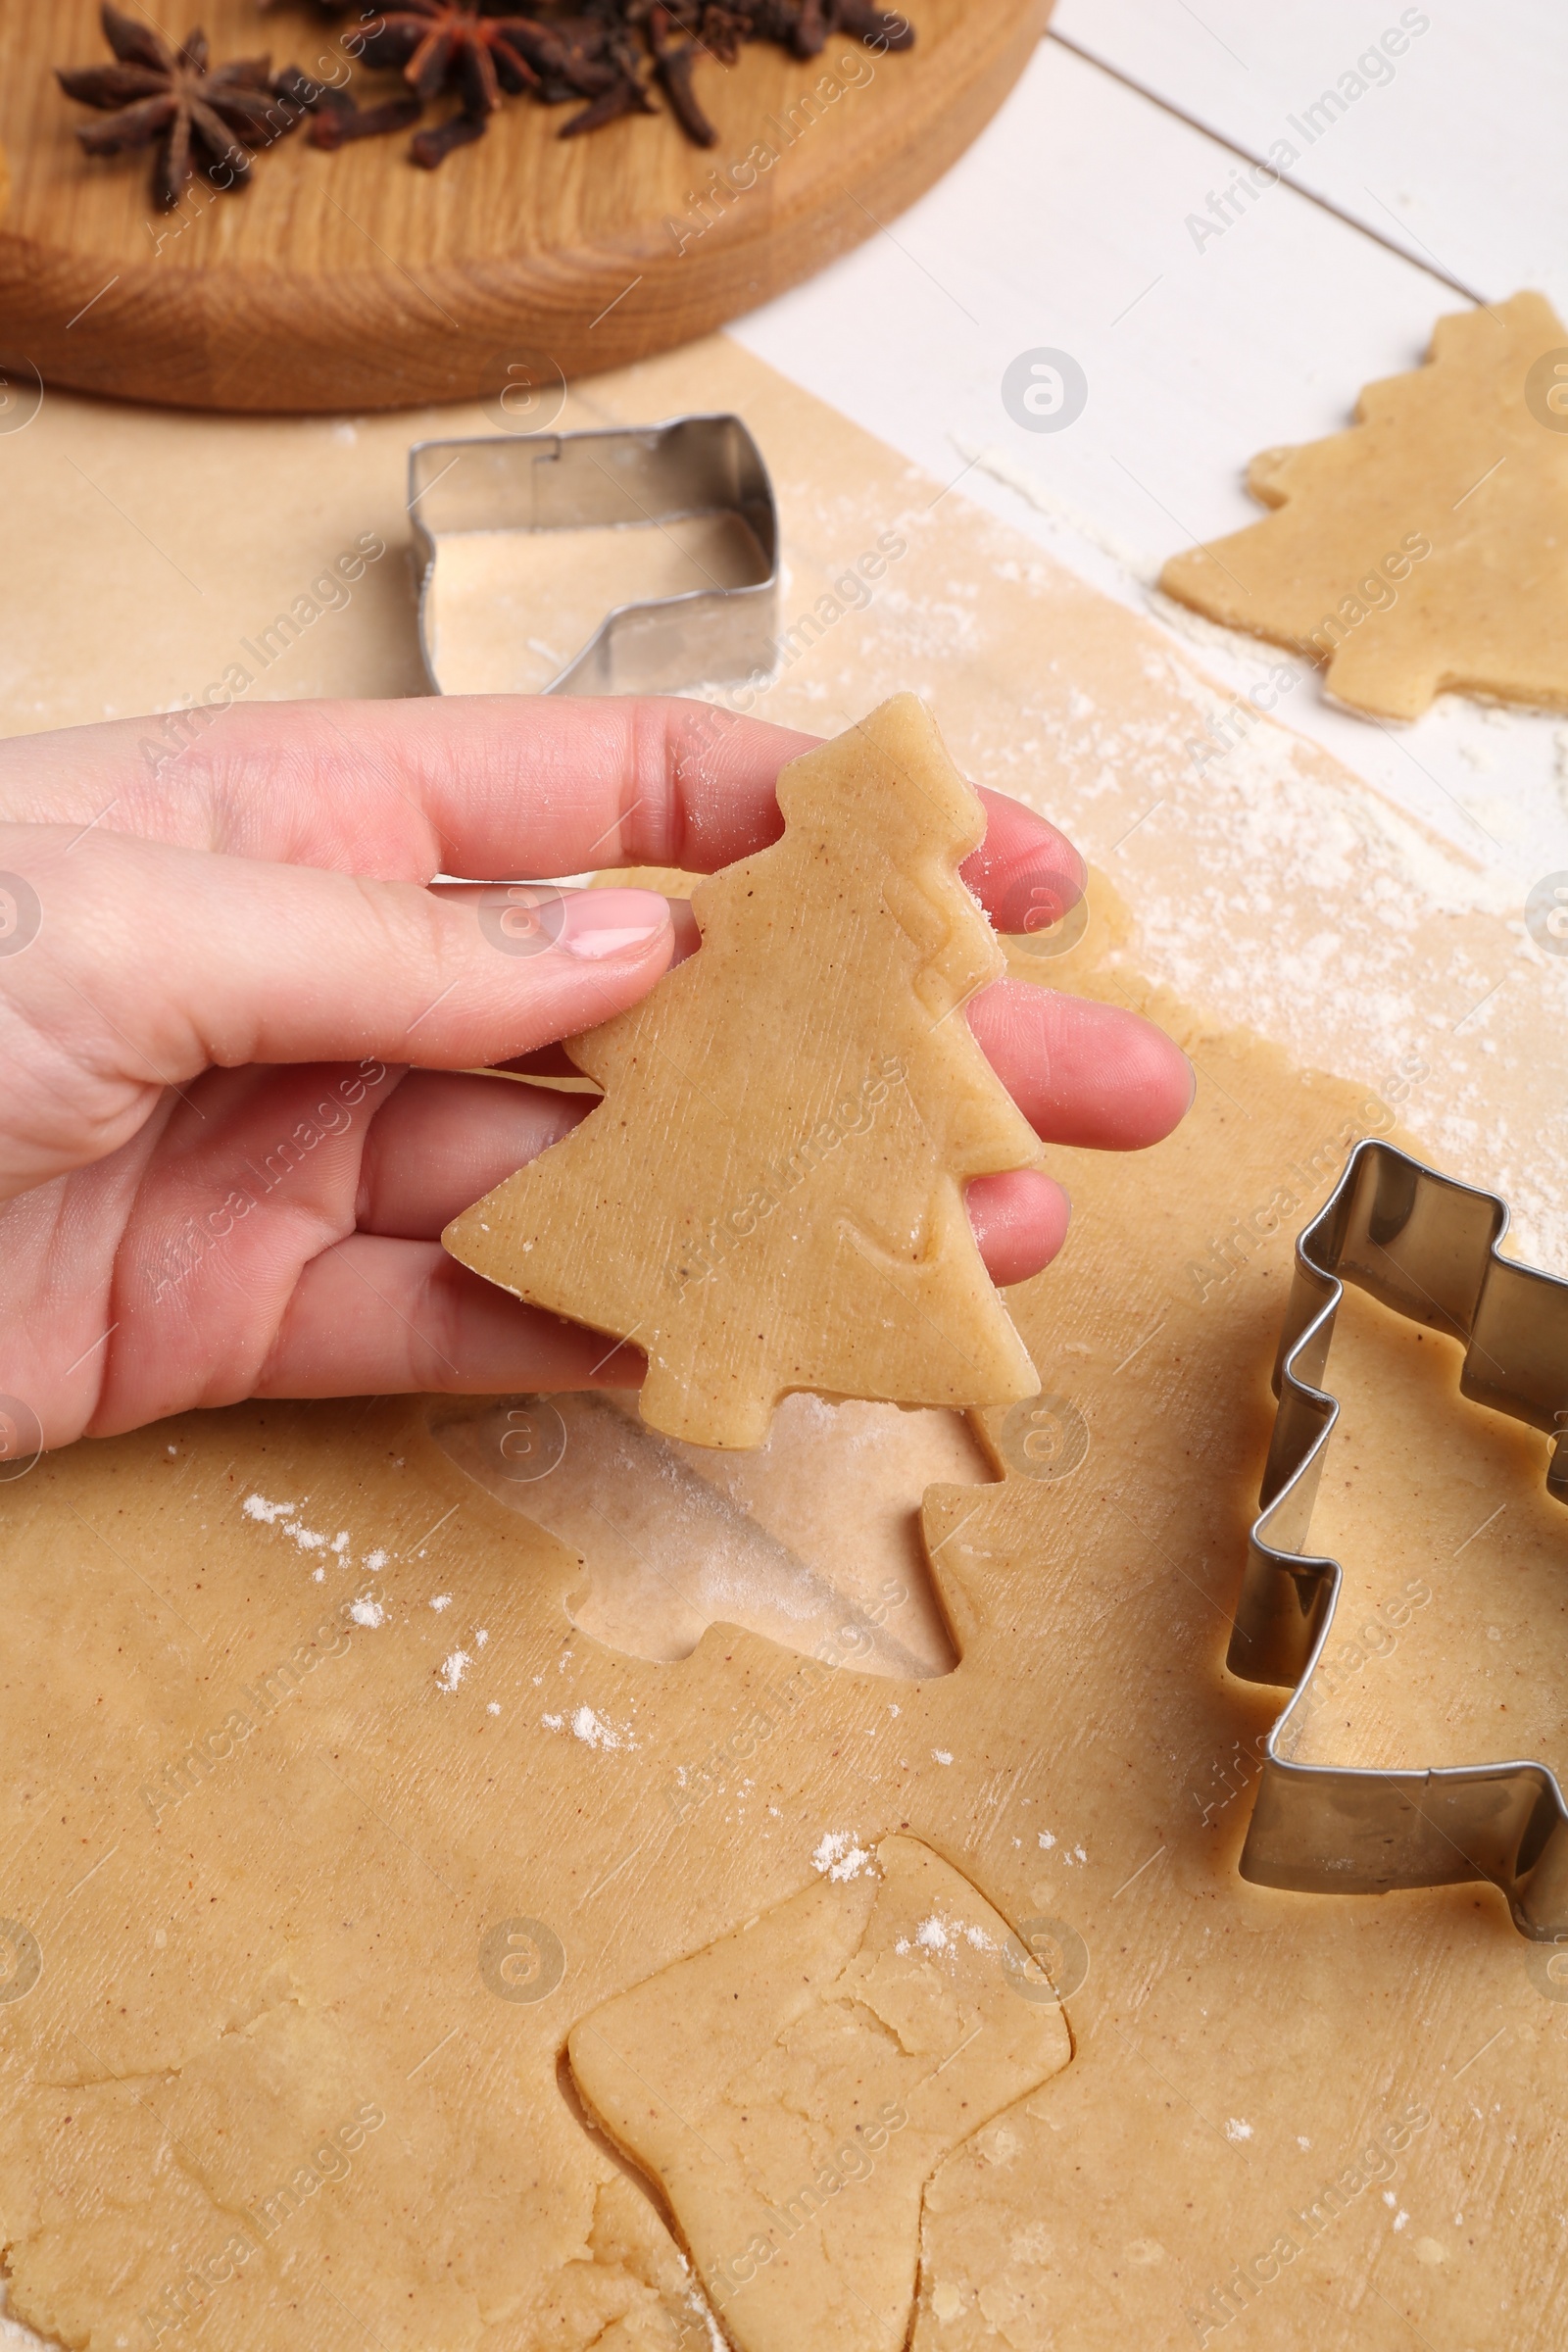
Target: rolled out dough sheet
278	1841
370	1895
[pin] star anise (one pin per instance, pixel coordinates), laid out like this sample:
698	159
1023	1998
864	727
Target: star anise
594	49
201	119
448	46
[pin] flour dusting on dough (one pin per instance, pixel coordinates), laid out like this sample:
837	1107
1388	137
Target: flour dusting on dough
286	1516
256	1507
839	1856
939	1934
591	1729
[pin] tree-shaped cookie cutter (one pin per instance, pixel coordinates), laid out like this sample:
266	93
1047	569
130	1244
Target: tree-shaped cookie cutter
624	476
1427	1246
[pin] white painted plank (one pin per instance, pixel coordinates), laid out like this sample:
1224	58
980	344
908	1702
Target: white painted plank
1452	147
1062	228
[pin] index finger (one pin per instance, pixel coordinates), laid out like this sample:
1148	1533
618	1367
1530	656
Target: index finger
484	786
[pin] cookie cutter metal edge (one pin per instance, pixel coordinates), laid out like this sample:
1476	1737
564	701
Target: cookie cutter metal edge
1426	1246
615	476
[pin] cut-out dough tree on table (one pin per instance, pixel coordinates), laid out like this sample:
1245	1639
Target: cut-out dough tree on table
770	1196
1427	548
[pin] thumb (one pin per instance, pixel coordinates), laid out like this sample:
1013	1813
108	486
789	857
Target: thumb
139	966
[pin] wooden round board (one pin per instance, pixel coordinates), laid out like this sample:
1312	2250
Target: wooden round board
357	280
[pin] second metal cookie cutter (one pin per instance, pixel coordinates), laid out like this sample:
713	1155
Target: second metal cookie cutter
1427	1246
633	475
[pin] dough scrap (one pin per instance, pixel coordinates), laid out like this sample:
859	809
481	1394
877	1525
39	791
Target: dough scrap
771	1195
1424	549
796	2086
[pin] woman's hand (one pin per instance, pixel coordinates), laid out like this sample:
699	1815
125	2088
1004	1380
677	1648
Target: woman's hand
235	1018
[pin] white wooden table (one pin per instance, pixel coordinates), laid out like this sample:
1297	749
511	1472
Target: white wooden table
1068	228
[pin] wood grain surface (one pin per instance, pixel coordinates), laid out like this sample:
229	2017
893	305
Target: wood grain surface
357	280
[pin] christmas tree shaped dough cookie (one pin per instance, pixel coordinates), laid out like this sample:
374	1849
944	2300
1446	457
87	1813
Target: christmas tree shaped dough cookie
795	2086
1427	548
771	1197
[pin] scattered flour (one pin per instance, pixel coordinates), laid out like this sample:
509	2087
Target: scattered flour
938	1934
454	1669
366	1612
839	1857
286	1514
256	1507
594	1731
1029	485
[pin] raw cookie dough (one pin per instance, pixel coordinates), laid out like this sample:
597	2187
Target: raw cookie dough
771	1195
281	1862
1220	2027
806	2057
1487	1550
1426	550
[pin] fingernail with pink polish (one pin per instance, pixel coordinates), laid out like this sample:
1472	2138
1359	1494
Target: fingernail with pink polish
599	924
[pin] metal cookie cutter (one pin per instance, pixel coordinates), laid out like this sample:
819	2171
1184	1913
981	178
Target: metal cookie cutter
1427	1246
634	474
